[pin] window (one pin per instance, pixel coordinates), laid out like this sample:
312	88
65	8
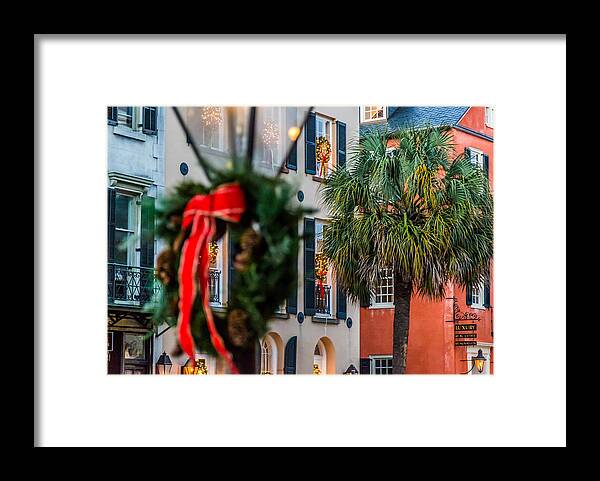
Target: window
489	117
215	257
125	116
266	357
126	217
322	274
476	157
381	364
384	293
323	127
372	113
212	129
477	296
270	137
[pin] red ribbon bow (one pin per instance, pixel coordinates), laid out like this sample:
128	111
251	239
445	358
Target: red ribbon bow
225	202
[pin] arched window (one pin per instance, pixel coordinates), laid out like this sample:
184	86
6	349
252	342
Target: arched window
266	357
319	359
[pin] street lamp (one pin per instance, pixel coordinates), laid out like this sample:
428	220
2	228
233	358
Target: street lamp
351	370
161	365
479	361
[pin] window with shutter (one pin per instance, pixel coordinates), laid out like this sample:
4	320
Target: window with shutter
112	115
291	118
341	144
310	144
149	119
309	267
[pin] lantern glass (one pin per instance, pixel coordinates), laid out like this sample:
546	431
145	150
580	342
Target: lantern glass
222	135
479	361
163	365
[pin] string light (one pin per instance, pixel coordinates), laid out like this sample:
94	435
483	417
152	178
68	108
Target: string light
271	133
211	116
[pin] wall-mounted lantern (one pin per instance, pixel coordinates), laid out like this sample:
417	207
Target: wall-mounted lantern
164	364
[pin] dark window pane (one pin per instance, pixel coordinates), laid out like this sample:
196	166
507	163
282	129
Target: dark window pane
122	212
121	247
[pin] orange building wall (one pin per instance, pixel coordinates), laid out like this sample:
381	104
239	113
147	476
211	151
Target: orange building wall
431	347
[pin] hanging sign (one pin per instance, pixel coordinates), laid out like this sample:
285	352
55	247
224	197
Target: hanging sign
464	336
465	327
465	343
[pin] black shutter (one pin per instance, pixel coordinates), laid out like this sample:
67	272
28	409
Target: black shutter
289	361
292	300
291	114
147	250
469	300
486	292
341	144
309	266
310	144
112	115
147	234
230	268
340	302
486	165
149	120
112	202
468	153
365	365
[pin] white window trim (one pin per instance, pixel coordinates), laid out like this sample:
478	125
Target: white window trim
487	117
381	305
332	141
372	360
220	269
480	304
365	120
479	152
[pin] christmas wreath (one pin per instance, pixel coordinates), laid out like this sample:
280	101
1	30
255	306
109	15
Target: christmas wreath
323	153
263	226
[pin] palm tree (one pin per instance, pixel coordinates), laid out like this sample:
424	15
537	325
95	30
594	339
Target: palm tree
417	208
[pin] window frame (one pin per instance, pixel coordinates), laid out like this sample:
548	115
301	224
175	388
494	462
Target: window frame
330	280
133	258
489	117
332	141
480	289
373	367
363	113
384	305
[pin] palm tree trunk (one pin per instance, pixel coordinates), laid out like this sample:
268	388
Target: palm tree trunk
402	292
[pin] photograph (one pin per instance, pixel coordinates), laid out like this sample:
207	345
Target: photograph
300	240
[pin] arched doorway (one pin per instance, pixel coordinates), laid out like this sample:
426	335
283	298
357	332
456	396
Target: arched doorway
324	357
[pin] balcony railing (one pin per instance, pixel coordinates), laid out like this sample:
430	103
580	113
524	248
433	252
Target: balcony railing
214	286
323	300
131	285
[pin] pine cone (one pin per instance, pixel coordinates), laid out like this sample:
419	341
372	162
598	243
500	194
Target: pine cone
237	328
249	239
242	260
165	266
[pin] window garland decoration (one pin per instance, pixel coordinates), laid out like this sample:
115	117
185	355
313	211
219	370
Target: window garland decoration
323	153
321	270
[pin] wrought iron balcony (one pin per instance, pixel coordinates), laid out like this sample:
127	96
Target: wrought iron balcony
214	286
323	299
131	285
